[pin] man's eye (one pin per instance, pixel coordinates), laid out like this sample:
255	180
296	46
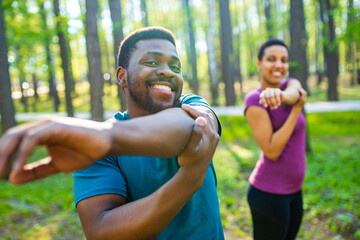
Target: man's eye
285	60
151	63
175	69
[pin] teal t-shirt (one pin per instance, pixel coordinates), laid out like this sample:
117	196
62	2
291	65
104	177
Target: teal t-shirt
136	177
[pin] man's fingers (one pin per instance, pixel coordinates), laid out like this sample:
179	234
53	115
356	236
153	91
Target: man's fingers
197	133
30	141
33	171
193	112
8	146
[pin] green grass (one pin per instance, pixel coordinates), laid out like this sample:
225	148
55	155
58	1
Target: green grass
45	210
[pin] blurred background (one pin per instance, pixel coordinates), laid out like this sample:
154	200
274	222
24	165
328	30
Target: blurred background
60	57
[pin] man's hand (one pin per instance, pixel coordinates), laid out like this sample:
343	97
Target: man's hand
72	144
202	144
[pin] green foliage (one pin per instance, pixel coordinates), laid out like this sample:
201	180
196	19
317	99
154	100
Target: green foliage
45	209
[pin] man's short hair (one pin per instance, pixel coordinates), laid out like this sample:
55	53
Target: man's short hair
128	45
268	43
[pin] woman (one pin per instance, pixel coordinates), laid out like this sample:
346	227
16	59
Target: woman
278	125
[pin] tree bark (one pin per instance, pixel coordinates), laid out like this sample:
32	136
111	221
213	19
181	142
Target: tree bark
226	50
214	82
330	50
118	36
298	50
194	83
64	61
7	110
94	61
298	43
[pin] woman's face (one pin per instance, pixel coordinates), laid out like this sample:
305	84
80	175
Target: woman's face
274	65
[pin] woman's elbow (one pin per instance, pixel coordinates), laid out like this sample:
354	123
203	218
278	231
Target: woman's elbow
272	155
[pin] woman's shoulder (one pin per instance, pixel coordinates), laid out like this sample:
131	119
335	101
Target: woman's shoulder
252	99
253	96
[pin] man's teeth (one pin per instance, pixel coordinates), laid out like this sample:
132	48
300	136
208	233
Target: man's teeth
277	73
163	87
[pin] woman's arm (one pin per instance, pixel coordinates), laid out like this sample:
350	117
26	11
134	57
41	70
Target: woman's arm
273	97
272	143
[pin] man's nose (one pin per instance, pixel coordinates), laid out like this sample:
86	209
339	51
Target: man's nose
164	70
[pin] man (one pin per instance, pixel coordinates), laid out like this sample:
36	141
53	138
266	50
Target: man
139	189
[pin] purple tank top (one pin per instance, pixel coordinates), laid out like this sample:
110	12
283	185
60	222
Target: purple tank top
286	175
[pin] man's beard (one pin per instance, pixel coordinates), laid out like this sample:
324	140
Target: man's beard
147	102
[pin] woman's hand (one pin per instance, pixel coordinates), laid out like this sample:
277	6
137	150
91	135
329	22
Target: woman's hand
271	97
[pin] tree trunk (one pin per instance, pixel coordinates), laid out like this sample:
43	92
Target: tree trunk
350	54
64	61
298	43
7	110
251	63
214	83
144	13
298	49
269	20
226	50
94	61
22	79
330	50
49	61
236	52
319	71
279	20
194	83
116	18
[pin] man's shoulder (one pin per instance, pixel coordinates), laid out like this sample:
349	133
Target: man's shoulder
193	99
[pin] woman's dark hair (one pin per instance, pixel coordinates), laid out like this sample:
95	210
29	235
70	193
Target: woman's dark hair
128	45
269	43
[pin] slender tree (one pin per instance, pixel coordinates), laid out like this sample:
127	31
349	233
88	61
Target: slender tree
330	50
49	61
117	30
226	50
269	19
194	83
298	43
211	48
64	60
350	54
298	49
22	78
7	110
94	61
236	53
144	13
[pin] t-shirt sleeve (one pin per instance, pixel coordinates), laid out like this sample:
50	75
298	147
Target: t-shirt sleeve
252	99
194	100
102	177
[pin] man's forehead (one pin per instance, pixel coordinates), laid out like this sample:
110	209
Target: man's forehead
156	45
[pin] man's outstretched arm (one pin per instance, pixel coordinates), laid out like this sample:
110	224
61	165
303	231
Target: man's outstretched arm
74	144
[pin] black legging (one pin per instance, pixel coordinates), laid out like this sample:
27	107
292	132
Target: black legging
275	216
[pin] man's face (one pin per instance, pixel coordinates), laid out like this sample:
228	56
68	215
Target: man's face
154	76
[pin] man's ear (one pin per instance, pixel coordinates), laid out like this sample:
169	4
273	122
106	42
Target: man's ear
121	76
